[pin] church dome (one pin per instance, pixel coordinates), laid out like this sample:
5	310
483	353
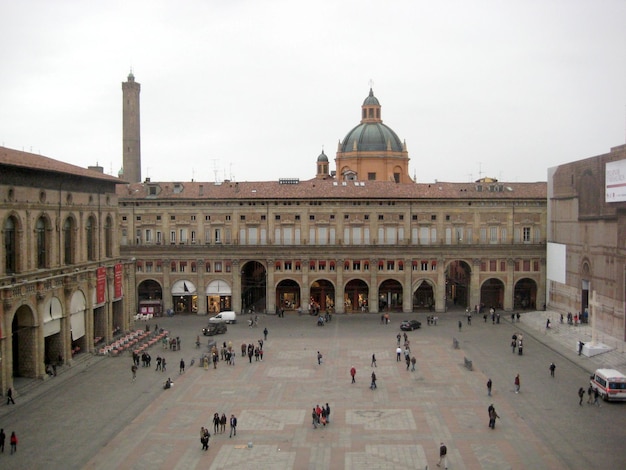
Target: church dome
322	157
371	135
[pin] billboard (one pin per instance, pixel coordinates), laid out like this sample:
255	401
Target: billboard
615	181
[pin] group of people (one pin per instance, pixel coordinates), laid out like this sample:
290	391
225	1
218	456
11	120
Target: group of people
145	359
12	441
320	415
219	427
592	393
517	341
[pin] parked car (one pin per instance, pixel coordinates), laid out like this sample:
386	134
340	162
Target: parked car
227	317
214	329
410	325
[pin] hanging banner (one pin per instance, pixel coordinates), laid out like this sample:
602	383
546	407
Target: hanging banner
117	281
101	283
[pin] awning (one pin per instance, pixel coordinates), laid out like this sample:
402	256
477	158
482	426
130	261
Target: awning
218	288
78	325
183	287
51	328
53	311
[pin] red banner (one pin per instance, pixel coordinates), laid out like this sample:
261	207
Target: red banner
101	283
117	281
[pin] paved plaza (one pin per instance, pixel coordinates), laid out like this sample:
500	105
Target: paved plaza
94	416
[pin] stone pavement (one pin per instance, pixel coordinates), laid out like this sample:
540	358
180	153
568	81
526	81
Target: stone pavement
95	417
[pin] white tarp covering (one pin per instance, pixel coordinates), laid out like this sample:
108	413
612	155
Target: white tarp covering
183	287
53	311
615	181
77	310
218	287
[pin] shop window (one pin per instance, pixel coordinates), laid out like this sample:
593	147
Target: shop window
173	266
207	267
218	266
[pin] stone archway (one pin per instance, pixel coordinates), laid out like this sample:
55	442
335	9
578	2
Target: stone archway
322	295
390	296
492	293
356	296
253	287
525	295
288	295
458	281
424	296
23	337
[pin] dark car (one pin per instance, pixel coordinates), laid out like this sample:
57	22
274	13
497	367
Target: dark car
214	329
410	325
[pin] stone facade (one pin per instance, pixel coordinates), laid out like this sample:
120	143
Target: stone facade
594	233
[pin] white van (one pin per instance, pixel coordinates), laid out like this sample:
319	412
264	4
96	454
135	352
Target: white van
611	384
227	317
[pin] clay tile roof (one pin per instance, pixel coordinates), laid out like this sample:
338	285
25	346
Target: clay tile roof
330	189
18	159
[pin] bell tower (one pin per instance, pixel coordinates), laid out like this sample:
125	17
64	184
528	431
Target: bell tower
131	136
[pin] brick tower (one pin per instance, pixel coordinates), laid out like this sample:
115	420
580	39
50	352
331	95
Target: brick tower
130	130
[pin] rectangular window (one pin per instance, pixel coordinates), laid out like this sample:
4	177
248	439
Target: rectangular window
535	266
207	267
391	265
502	266
322	265
227	218
526	234
381	217
193	217
492	265
183	266
218	235
148	266
194	267
193	236
173	236
138	218
148	236
218	266
371	176
526	265
493	234
287	265
242	217
503	235
424	265
158	217
172	217
183	235
173	266
356	265
483	235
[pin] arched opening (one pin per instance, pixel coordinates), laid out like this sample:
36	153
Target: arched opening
10	245
184	297
287	295
43	242
390	296
253	287
322	296
525	295
53	339
150	298
90	236
218	297
108	237
69	242
356	296
492	293
424	296
458	278
23	336
78	311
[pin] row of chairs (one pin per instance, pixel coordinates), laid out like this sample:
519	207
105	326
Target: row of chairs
151	341
124	343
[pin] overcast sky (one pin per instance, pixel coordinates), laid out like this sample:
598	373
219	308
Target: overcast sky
254	89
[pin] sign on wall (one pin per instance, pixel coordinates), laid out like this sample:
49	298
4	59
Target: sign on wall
615	181
117	281
101	282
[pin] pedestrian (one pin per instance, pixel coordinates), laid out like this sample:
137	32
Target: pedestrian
163	364
552	368
443	459
244	348
407	359
319	358
327	414
581	394
374	360
10	396
413	361
517	383
489	384
580	347
469	320
373	384
205	439
223	420
233	425
3	437
265	332
13	442
198	342
133	369
314	418
460	325
590	395
216	423
596	395
398	337
178	343
353	374
520	347
492	416
158	361
398	354
181	367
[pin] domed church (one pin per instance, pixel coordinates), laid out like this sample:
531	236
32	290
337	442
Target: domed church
372	151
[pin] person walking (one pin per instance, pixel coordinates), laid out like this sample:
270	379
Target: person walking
181	367
443	456
13	442
517	383
581	394
590	395
353	374
204	439
373	384
492	416
413	361
460	325
233	425
163	364
314	417
398	337
3	437
398	354
265	332
319	358
552	368
133	369
223	420
374	360
596	395
10	396
489	384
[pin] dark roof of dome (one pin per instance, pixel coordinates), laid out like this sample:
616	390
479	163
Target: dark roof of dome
371	99
322	157
371	136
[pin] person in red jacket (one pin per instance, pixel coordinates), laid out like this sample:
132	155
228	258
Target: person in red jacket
13	441
353	373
